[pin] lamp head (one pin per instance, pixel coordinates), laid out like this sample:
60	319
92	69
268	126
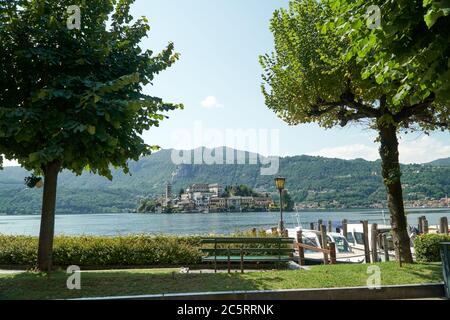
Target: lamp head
280	182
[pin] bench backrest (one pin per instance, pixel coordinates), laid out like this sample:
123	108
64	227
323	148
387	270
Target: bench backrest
270	246
247	240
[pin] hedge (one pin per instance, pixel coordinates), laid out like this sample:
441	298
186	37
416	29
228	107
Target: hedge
427	247
139	250
97	251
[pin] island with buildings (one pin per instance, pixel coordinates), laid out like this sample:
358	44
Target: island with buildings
212	198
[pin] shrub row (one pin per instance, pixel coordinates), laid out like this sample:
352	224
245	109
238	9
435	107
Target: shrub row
95	251
427	247
139	250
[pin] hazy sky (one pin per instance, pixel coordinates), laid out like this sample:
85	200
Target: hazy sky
218	80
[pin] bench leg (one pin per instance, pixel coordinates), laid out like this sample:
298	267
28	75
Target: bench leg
215	257
242	261
229	261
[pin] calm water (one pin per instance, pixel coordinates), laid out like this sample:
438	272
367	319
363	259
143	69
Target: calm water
186	224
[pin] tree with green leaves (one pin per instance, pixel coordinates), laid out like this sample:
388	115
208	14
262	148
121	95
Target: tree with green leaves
147	205
72	98
333	65
288	203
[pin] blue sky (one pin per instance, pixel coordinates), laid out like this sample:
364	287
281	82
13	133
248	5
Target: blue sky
219	42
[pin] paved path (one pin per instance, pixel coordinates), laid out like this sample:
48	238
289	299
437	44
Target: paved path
11	271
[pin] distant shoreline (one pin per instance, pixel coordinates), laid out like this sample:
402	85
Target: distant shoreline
243	213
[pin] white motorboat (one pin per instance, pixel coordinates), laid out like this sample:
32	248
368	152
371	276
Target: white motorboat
355	238
344	252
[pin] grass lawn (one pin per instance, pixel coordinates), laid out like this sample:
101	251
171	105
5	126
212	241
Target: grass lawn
152	281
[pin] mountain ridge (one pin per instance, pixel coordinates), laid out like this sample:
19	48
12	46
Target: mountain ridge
441	162
349	183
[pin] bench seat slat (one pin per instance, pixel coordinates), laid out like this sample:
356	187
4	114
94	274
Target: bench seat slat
247	240
238	250
248	259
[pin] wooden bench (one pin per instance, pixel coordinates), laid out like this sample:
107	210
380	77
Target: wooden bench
246	250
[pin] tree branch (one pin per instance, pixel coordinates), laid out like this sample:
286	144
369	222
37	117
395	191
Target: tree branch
349	99
416	109
428	119
346	118
329	106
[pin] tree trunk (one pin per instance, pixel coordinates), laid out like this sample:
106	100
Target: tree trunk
392	180
47	230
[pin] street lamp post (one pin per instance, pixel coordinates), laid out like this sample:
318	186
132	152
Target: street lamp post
280	182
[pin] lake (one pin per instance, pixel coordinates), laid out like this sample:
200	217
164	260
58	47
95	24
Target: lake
188	224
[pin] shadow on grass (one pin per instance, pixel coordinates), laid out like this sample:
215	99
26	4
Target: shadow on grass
145	282
430	273
121	283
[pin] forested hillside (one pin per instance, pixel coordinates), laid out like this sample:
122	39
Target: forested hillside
354	183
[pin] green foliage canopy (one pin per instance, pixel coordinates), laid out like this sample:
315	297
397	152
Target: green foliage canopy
75	96
329	67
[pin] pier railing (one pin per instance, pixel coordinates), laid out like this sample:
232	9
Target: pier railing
328	250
